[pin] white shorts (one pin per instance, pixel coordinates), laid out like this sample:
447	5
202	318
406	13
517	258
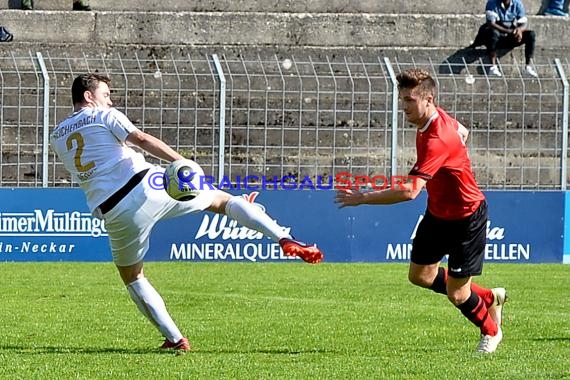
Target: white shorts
130	222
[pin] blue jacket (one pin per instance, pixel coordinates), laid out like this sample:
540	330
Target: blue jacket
511	17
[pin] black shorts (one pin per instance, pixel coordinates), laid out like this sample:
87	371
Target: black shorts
463	240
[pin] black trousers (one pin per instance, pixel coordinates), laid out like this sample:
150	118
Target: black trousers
494	40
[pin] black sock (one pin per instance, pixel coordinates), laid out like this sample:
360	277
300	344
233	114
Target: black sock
440	281
475	310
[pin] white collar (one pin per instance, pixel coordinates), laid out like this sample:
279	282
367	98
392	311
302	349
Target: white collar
433	116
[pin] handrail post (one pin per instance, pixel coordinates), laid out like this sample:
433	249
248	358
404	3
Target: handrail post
222	118
564	147
45	119
394	150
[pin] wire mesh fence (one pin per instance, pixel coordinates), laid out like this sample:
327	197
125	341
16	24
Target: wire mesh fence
296	117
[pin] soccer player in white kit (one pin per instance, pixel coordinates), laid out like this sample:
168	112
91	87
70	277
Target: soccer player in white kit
92	144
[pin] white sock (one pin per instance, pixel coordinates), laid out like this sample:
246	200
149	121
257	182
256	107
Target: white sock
253	217
152	306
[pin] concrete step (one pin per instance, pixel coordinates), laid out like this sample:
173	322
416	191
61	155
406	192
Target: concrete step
187	83
262	29
281	6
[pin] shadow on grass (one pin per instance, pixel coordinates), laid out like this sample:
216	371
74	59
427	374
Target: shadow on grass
277	351
143	351
553	339
81	350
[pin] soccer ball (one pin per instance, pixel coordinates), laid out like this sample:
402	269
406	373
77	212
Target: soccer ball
182	179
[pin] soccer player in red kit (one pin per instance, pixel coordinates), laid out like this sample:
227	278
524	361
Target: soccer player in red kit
455	222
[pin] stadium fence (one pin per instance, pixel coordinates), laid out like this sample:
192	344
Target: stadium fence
253	116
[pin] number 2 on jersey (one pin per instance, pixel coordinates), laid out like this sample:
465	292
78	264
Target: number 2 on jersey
80	143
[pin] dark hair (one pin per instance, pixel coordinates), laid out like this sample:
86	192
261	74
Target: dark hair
418	80
86	82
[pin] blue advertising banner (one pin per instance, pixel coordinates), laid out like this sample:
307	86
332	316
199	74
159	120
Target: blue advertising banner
49	225
55	225
523	227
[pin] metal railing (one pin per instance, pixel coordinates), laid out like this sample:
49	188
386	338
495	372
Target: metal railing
241	116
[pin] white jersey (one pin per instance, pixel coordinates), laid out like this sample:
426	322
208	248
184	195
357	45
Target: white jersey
91	145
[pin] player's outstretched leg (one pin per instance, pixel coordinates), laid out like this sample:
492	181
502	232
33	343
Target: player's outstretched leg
253	217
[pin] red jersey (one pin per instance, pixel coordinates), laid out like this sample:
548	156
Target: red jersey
444	163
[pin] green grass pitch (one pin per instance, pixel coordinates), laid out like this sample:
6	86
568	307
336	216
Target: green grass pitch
276	321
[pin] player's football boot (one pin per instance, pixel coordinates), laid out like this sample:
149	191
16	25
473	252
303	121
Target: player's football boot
309	253
496	311
181	345
488	344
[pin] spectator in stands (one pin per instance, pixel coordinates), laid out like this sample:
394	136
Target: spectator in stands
555	8
78	5
506	28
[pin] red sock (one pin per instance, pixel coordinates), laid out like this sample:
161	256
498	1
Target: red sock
485	294
475	310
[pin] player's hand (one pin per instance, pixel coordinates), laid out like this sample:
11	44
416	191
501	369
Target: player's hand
346	198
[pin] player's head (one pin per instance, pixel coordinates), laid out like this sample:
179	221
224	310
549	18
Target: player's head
91	90
417	90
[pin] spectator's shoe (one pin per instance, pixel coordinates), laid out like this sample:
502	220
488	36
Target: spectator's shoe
488	344
181	345
5	35
530	71
77	6
496	311
309	253
494	71
555	12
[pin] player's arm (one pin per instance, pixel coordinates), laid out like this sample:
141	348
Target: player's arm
123	129
463	132
430	160
399	193
152	145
